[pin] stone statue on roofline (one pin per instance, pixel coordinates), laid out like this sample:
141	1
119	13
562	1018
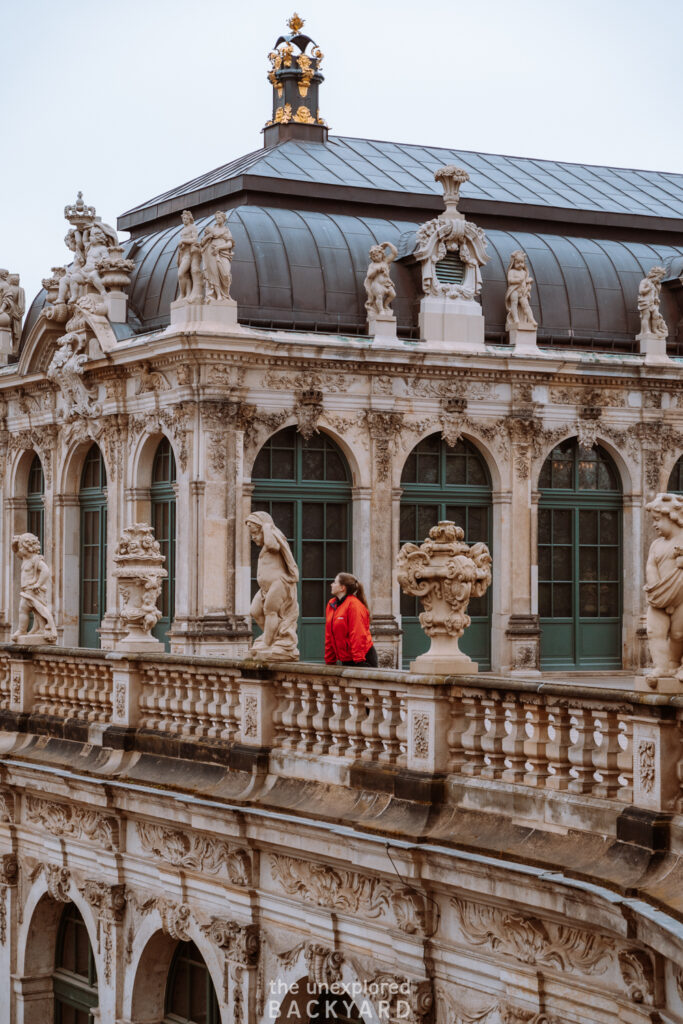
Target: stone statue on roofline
652	323
217	246
190	272
380	290
35	576
275	608
12	309
519	282
664	591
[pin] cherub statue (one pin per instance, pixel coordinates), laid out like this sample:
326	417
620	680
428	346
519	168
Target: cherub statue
275	607
519	312
97	250
217	247
378	284
649	291
664	588
190	274
33	595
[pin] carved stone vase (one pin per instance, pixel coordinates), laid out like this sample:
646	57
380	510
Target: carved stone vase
444	573
139	575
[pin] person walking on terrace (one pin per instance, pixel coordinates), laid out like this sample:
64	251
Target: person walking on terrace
347	624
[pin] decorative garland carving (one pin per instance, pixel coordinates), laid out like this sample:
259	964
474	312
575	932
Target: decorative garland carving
72	820
174	419
9	869
109	905
58	882
320	381
324	965
195	852
384	428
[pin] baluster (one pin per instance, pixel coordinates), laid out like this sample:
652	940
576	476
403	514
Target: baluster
164	703
212	695
456	729
151	695
581	752
492	740
370	726
340	741
625	759
289	715
304	718
354	722
402	736
558	750
389	726
472	737
187	704
201	705
229	708
513	744
607	756
322	717
535	745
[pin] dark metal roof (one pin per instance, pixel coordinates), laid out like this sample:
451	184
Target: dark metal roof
402	168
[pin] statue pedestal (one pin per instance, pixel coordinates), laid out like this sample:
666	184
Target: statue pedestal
444	658
523	340
32	639
653	348
662	684
222	313
451	324
382	327
117	307
5	345
143	645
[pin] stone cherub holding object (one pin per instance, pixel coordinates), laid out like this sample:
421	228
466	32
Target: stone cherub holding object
649	293
275	607
378	284
519	311
664	589
35	575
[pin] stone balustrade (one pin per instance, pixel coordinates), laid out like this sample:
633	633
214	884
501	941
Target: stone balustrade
497	736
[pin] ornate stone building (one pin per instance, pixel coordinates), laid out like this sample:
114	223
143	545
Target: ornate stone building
187	839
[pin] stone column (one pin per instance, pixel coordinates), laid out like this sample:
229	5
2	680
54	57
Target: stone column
501	541
114	444
9	910
384	428
16	508
523	630
635	648
66	567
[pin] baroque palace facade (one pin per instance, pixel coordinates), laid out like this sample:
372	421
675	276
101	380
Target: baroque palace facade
185	836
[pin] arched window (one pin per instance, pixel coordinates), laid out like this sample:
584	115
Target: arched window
35	505
163	524
306	487
675	485
190	995
93	586
579	559
438	483
75	977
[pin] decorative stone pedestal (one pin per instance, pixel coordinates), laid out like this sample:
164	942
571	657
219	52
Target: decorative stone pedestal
653	347
662	684
139	573
523	340
222	312
117	307
383	328
450	324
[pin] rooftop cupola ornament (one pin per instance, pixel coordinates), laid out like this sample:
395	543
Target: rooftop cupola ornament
295	77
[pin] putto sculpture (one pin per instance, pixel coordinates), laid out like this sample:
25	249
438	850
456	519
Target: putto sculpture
35	576
275	608
519	281
444	572
378	284
664	590
217	246
139	575
190	272
12	309
652	323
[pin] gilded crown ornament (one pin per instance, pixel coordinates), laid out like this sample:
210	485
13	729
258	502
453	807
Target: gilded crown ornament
295	76
296	23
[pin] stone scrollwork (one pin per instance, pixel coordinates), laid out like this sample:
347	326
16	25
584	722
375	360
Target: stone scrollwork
72	820
529	940
384	428
66	370
445	573
9	869
646	765
175	918
194	852
240	942
588	426
58	881
638	973
109	905
308	410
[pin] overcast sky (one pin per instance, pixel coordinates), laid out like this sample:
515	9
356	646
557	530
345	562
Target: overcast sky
125	99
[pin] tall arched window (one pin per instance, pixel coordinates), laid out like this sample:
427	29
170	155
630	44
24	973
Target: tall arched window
190	995
75	977
35	505
676	479
438	483
579	559
93	584
306	487
163	524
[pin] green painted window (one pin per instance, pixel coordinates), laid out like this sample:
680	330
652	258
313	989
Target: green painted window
676	479
306	487
93	583
163	524
190	995
75	977
438	483
35	506
579	559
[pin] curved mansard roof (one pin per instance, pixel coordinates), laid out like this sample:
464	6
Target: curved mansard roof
305	269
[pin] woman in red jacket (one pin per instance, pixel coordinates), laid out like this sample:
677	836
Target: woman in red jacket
347	624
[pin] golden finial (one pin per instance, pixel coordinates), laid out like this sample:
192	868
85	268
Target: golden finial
296	23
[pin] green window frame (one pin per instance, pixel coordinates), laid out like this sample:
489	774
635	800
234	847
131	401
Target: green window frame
74	982
190	994
439	482
580	587
305	485
93	548
35	502
163	502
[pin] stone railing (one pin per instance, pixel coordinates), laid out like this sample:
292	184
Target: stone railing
580	746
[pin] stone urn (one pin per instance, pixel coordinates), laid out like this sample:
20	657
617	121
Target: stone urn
444	573
139	574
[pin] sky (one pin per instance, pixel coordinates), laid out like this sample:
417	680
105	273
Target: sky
125	99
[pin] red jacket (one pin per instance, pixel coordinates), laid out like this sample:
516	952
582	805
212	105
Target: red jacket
347	630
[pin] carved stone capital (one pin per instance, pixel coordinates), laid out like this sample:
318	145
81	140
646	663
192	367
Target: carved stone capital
240	942
107	901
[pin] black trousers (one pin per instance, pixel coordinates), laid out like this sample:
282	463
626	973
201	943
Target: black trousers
370	660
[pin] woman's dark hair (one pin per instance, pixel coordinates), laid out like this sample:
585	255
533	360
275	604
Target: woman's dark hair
353	586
